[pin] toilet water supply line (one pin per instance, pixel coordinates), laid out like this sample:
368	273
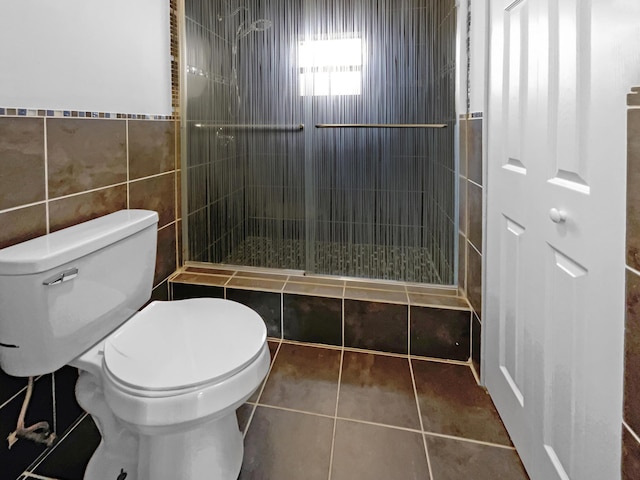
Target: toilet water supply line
39	432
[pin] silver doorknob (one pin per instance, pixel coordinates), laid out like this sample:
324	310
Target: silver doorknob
557	216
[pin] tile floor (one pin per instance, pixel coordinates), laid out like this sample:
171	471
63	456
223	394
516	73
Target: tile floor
331	413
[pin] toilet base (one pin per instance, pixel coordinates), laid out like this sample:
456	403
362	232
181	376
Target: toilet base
212	450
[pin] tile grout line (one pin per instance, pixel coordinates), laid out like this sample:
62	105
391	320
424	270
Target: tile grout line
424	439
126	142
28	475
46	179
262	387
631	431
335	416
53	402
470	440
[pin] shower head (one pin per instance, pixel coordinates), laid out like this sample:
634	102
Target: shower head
257	26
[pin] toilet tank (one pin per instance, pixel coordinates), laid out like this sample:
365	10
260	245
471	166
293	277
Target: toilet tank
62	293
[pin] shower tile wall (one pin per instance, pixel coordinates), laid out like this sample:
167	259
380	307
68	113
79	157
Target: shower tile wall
57	171
631	419
215	168
471	222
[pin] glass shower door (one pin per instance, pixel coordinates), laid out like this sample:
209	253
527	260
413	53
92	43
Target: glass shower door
272	185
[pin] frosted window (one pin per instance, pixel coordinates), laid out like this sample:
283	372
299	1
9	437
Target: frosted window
330	67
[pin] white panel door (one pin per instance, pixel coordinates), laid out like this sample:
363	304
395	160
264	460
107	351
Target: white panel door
558	77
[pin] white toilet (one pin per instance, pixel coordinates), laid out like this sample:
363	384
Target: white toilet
162	384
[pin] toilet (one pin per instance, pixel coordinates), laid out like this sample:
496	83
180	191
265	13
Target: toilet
161	383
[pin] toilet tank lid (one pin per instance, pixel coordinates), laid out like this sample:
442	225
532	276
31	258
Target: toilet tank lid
51	251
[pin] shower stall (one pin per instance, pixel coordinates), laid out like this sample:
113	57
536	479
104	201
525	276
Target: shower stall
319	136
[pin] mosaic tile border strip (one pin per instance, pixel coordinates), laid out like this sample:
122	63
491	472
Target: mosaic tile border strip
35	112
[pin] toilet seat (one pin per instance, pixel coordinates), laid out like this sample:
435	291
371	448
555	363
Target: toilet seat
206	376
169	348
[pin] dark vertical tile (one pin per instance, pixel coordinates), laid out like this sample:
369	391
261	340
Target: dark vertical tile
462	262
376	326
180	244
160	293
632	353
462	204
287	445
452	403
151	147
462	143
22	172
476	342
84	154
312	319
303	378
474	150
69	211
474	233
374	452
267	304
166	254
157	194
633	188
456	460
474	279
377	388
70	457
440	333
181	291
630	456
67	408
15	460
23	224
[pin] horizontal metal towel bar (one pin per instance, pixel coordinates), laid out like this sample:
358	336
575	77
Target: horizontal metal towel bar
381	125
293	128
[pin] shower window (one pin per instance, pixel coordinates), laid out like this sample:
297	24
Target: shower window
330	67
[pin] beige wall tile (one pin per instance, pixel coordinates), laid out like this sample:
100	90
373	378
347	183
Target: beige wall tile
84	154
23	224
155	193
151	147
86	206
633	188
22	178
474	233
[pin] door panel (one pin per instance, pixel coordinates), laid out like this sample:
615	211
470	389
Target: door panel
511	315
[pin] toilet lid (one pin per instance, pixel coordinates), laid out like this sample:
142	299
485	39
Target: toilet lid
180	344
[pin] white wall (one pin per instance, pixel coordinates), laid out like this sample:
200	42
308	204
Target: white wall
88	55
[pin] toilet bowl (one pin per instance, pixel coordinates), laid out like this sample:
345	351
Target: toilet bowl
172	378
162	383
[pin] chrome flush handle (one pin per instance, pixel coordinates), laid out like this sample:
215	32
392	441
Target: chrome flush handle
64	276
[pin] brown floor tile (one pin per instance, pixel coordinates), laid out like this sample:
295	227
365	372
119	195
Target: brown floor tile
371	452
452	403
377	388
460	460
286	445
303	378
273	350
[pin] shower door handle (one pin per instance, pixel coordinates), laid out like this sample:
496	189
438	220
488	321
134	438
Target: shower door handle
381	125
